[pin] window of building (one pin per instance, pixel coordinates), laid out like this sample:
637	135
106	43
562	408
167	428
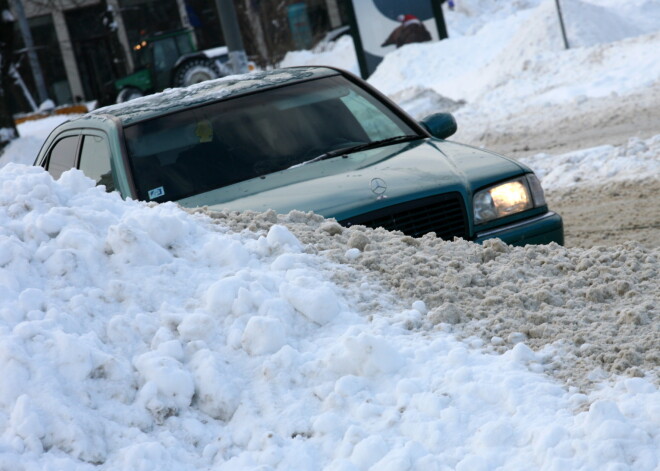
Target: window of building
50	60
146	17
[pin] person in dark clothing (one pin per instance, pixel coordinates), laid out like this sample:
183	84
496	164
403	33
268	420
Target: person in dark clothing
411	30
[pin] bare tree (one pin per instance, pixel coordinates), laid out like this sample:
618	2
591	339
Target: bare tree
8	130
266	31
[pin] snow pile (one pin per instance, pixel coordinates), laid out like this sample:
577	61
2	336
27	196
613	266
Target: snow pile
339	53
424	101
138	336
502	57
470	16
32	136
519	61
637	160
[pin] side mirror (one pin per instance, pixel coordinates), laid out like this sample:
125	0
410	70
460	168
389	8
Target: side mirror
440	125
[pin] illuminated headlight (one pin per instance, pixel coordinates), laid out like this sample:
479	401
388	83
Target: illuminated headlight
508	198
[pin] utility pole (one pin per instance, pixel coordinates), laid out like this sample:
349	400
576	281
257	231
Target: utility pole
29	46
561	23
232	34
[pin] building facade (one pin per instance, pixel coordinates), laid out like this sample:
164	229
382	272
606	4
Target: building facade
84	45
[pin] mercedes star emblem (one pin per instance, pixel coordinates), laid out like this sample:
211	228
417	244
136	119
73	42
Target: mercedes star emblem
379	187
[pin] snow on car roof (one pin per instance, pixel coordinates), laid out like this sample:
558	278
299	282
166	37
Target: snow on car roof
174	99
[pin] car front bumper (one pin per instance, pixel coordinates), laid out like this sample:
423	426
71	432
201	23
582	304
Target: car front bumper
542	229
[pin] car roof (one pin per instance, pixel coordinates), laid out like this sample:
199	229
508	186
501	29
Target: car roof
175	99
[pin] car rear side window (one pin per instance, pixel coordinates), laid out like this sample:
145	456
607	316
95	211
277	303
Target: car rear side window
62	156
95	161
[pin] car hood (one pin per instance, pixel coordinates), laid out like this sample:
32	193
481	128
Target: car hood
341	187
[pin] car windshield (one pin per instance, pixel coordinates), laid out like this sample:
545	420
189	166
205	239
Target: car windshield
204	148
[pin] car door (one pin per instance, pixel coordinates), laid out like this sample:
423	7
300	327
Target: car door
84	149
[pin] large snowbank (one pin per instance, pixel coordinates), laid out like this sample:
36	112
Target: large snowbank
138	336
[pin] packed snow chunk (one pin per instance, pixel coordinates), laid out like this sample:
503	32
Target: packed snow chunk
76	181
548	437
224	252
197	326
420	306
349	385
145	456
603	411
220	295
263	335
327	424
32	299
411	456
26	422
319	305
164	225
365	355
62	425
521	353
280	237
14	364
353	254
369	451
217	390
132	246
168	386
72	354
497	433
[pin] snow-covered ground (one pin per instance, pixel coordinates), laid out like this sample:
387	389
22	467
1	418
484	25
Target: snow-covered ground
136	336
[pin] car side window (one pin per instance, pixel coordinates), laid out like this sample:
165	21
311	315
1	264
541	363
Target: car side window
376	124
62	156
95	161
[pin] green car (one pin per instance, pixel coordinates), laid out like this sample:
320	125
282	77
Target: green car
312	139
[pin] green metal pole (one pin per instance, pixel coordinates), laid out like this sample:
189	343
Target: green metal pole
232	34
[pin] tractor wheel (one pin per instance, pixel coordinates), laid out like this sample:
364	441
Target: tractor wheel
128	93
194	71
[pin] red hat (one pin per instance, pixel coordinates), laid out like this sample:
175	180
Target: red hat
404	18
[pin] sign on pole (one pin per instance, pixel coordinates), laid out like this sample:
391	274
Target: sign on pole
381	26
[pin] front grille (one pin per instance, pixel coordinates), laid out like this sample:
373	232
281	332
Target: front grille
442	214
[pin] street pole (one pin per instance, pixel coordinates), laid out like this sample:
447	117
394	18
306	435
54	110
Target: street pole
232	34
561	23
32	55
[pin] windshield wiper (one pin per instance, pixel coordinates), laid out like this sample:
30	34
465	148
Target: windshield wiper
367	145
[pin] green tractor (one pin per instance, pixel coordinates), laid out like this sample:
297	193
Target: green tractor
171	59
